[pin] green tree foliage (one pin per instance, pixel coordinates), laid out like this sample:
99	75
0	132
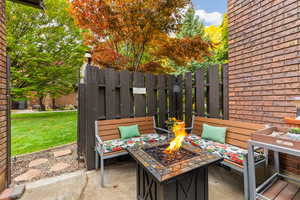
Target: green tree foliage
216	35
222	51
192	26
45	48
219	36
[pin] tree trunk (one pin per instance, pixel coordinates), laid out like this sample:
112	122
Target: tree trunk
53	103
139	58
42	105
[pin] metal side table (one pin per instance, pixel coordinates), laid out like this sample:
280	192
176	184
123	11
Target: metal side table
275	186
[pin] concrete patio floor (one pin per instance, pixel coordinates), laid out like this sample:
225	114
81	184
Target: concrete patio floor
82	185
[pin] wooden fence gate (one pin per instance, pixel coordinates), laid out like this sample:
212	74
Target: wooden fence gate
111	94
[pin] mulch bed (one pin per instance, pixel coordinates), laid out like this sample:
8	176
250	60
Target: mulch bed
20	164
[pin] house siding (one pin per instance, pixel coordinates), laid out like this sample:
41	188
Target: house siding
60	102
3	100
264	61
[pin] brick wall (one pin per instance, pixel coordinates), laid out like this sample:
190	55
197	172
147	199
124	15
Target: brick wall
3	98
264	70
264	62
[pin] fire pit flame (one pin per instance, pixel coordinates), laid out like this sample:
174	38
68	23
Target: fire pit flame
180	133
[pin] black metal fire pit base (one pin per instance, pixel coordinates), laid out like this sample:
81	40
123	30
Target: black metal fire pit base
182	177
192	185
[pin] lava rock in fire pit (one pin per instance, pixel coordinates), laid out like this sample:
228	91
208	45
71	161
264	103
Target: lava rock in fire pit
166	159
181	175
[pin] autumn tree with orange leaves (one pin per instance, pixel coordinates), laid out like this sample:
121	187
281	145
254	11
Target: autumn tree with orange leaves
137	34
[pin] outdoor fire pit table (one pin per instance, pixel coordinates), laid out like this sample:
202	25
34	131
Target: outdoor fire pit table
182	175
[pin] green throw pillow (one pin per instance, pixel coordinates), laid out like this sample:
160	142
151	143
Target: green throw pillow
129	131
214	133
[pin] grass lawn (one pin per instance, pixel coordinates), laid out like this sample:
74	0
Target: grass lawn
32	132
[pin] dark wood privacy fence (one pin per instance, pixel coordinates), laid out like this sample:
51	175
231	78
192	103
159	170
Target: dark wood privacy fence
108	94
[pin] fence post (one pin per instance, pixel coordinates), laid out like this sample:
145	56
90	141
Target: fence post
213	92
125	94
200	91
151	95
91	114
225	91
139	99
179	100
162	100
81	121
110	110
171	95
188	98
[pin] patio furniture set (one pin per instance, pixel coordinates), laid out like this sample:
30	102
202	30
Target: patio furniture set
157	179
185	176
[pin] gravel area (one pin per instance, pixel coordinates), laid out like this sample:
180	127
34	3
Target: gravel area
20	164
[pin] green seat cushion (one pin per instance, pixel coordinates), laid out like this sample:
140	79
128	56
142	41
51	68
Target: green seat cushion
214	133
129	131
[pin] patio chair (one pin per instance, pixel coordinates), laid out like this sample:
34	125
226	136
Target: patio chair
235	149
110	145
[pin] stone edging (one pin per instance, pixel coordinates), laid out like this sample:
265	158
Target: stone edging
44	151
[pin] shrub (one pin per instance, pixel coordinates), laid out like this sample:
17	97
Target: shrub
294	130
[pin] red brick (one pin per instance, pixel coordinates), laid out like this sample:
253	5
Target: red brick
3	87
264	70
264	62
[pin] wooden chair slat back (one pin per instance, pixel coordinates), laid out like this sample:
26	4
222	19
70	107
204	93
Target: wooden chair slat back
238	133
108	129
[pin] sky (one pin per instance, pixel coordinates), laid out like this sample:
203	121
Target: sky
210	11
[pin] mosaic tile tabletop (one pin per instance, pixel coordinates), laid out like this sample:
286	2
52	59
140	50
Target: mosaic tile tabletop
163	173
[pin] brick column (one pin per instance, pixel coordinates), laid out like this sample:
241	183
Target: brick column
264	62
3	99
264	72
